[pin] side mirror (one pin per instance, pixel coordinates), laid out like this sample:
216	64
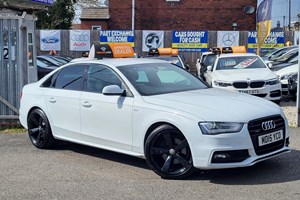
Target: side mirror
209	68
187	67
270	65
198	60
113	90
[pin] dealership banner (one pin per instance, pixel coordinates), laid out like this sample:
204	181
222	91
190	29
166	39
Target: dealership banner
228	38
50	40
80	40
274	40
152	39
113	36
190	40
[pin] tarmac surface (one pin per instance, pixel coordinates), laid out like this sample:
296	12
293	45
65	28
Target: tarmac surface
73	171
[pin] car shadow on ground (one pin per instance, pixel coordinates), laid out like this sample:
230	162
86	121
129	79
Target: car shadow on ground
284	168
102	154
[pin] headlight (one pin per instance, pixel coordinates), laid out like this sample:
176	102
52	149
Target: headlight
272	81
222	83
214	128
285	76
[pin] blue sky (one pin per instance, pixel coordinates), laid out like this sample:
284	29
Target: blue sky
280	10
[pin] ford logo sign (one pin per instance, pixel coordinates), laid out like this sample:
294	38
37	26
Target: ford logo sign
50	40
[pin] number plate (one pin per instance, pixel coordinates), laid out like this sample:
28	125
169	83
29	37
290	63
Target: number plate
249	91
270	138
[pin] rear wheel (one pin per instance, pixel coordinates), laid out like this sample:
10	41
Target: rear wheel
39	130
168	153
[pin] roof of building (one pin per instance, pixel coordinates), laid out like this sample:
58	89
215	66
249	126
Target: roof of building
95	13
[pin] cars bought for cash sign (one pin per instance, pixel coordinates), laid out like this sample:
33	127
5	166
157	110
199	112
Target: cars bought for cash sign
113	36
80	40
50	40
190	40
274	40
152	39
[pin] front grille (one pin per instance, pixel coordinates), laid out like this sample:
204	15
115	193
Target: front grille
257	84
255	130
284	85
240	84
244	84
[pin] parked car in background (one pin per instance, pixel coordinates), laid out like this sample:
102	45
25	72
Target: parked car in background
49	59
284	74
279	65
43	68
150	109
277	52
292	84
206	59
61	59
243	72
170	55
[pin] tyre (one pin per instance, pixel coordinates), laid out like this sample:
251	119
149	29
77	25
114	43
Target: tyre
39	130
168	153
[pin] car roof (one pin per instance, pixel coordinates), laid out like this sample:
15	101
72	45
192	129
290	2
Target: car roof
121	61
227	55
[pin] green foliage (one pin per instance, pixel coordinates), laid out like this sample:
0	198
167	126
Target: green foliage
58	16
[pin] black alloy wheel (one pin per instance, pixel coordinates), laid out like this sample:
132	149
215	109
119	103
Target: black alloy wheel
168	153
39	130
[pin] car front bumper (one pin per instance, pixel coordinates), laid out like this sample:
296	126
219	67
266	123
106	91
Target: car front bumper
242	148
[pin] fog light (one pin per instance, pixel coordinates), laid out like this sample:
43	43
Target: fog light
221	156
230	156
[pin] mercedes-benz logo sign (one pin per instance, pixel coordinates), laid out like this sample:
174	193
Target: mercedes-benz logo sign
228	39
268	125
152	40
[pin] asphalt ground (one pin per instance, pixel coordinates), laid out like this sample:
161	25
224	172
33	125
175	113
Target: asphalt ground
72	171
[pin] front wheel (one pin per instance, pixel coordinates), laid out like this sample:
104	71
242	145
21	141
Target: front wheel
39	130
168	153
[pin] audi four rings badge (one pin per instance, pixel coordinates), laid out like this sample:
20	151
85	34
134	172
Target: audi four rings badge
268	125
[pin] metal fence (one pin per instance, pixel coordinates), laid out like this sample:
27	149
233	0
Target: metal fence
9	71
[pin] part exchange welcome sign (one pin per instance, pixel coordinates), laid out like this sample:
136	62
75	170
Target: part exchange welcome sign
274	40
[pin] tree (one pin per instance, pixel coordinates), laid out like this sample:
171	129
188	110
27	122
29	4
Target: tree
58	16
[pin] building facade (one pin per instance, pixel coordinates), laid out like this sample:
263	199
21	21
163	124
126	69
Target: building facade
183	14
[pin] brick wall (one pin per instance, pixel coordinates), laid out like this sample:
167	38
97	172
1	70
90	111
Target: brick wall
183	15
87	24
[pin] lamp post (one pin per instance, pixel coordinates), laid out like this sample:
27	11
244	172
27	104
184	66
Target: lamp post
298	85
133	15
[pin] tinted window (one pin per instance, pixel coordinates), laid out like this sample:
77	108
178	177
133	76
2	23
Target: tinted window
50	81
99	76
70	78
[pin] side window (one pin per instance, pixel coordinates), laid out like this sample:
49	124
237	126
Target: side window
99	76
49	82
70	78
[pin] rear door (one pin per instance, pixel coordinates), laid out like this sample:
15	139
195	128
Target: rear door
62	101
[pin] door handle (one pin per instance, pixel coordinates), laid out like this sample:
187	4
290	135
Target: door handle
87	104
52	100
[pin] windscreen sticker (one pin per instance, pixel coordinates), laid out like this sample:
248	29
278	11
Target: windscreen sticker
230	63
246	63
